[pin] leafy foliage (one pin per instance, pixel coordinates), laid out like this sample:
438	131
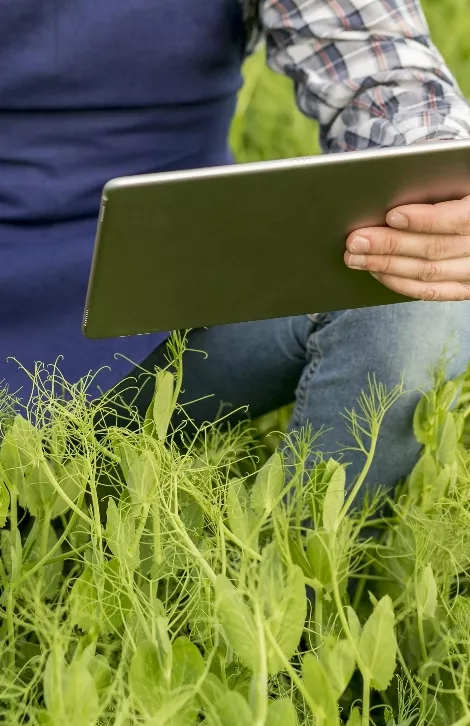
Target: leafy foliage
153	575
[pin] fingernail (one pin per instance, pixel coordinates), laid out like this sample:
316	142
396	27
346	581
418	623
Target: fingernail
356	262
376	275
359	244
398	220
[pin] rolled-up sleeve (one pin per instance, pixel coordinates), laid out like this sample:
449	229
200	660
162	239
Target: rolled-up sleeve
366	70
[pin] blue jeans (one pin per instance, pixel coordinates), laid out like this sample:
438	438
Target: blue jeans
322	363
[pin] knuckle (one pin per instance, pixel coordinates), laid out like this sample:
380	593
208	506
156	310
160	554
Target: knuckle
391	244
464	293
387	267
463	228
436	248
429	272
430	294
428	224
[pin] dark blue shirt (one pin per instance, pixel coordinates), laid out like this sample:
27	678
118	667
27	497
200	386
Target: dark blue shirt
91	90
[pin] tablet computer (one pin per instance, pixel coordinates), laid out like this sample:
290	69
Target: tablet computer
179	250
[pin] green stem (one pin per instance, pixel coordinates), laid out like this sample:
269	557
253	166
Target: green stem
96	511
359	590
10	603
65	556
344	622
261	677
3	575
229	534
424	653
157	537
319	616
140	529
366	702
58	544
11	631
407	673
31	539
64	496
103	450
13	515
291	671
355	490
223	552
193	549
45	525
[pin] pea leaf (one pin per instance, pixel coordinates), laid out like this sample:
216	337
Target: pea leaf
69	692
298	556
426	594
212	690
27	439
447	395
142	477
160	411
10	559
187	669
422	417
334	498
422	477
83	597
80	697
281	713
146	682
115	605
354	624
317	555
188	663
120	535
44	719
378	645
241	518
128	455
39	492
11	460
4	504
50	575
192	515
271	579
448	443
440	488
340	663
354	718
100	608
100	671
237	621
320	690
282	594
233	710
72	481
164	649
268	485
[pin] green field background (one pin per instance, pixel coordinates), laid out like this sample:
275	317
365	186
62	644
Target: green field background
269	126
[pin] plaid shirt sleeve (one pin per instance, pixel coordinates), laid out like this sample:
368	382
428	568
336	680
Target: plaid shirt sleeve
366	70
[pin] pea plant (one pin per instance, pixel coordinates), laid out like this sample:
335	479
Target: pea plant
176	576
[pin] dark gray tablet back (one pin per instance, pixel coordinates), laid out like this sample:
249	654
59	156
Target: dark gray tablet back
191	249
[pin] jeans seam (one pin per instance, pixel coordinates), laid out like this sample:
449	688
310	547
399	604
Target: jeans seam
305	380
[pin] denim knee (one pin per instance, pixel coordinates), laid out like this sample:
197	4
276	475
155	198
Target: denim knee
390	343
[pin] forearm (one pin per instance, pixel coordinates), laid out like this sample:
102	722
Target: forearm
371	77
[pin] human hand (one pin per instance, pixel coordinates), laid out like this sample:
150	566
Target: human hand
423	253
